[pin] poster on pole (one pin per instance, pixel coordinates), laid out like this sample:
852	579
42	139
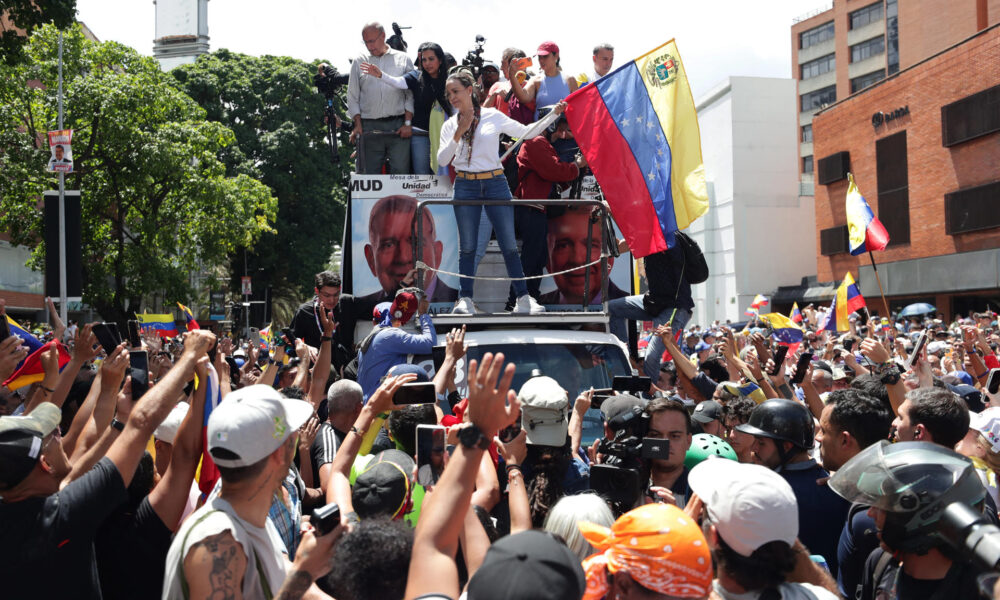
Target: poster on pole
245	284
61	151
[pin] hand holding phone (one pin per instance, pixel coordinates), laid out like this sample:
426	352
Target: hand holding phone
779	359
325	519
801	367
415	393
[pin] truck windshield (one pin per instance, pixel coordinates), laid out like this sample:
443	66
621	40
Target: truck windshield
577	367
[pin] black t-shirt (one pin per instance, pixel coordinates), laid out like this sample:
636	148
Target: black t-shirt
305	325
960	582
667	284
47	544
131	547
324	447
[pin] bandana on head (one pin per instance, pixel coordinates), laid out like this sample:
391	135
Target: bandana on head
660	547
381	312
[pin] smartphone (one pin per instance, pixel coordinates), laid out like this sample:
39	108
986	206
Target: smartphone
779	359
139	369
521	64
254	337
107	336
848	344
4	329
289	336
415	393
917	349
801	367
134	340
431	453
325	519
993	381
655	448
631	384
600	395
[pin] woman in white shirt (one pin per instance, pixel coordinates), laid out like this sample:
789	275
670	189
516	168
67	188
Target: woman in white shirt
470	140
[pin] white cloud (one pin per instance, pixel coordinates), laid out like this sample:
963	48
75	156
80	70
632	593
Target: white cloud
717	38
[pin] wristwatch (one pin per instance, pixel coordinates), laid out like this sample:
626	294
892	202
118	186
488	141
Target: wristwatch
407	123
473	437
116	424
890	376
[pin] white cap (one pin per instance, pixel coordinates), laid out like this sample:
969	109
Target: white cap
750	505
544	411
987	423
167	430
251	423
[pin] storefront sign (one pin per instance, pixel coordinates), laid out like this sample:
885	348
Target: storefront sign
883	118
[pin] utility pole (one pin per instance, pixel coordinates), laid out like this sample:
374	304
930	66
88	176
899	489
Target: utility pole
63	308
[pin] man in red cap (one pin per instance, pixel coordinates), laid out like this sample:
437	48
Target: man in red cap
388	345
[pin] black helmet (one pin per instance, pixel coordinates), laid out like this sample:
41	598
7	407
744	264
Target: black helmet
782	420
913	483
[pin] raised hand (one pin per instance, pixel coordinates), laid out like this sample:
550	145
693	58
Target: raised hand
492	405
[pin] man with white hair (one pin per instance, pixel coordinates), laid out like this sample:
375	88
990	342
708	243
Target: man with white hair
344	401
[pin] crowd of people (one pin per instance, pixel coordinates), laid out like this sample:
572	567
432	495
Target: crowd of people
730	477
309	466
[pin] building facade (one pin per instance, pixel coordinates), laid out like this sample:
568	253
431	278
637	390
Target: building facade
181	32
924	148
757	234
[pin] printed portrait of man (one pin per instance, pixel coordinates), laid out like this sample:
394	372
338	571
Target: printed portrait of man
390	247
567	245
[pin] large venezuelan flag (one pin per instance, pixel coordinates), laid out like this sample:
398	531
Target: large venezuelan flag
865	231
847	300
638	129
782	328
163	325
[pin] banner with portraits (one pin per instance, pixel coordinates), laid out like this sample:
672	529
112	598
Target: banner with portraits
382	246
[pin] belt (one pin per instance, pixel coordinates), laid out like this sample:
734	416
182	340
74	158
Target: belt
478	174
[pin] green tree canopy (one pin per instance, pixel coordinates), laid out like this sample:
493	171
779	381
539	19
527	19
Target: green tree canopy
157	201
22	17
272	106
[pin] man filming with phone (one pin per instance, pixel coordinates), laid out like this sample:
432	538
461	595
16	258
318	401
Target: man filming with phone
341	308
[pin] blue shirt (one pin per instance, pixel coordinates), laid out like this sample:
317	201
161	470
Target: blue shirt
821	512
550	91
389	348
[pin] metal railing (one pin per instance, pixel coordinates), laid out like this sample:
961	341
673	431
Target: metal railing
608	249
812	13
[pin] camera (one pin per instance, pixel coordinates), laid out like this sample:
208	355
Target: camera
621	479
327	81
474	58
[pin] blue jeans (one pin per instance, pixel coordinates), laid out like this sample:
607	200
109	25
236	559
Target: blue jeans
532	226
631	307
483	238
502	217
420	153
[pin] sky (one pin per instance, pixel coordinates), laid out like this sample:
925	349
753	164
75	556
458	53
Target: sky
716	38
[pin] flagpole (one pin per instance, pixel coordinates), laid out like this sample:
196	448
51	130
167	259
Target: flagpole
879	280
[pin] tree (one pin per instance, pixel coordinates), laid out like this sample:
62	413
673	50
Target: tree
19	18
156	198
271	105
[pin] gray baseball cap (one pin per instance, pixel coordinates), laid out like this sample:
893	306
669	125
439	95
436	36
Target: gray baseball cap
21	442
251	423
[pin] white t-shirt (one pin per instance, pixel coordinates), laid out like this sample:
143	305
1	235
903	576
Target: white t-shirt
485	143
261	545
788	591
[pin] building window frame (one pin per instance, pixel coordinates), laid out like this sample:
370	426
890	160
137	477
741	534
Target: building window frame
866	15
868	79
817	98
817	67
816	35
868	48
807	164
806	134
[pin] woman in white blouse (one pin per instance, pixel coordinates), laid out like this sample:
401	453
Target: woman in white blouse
470	140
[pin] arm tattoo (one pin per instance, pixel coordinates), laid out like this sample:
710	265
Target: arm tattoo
296	584
222	554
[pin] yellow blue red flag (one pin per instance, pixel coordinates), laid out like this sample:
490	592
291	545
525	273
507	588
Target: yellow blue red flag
847	300
864	229
638	129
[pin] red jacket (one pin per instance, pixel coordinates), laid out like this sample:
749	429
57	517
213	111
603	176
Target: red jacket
538	167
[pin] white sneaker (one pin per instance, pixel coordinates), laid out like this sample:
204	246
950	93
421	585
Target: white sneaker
464	306
527	304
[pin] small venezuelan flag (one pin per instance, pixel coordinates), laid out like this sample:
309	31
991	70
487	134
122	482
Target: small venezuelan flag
782	328
189	317
847	300
163	325
865	231
31	369
796	313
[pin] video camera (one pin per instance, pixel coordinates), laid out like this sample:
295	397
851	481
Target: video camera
328	83
621	478
474	58
396	41
971	532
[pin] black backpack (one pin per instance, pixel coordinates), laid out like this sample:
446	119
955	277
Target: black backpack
695	265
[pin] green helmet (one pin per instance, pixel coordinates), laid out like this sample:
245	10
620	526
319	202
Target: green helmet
704	445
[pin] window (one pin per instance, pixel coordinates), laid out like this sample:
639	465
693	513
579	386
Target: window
807	134
867	15
816	35
821	65
833	168
860	83
971	117
834	240
972	209
892	36
807	164
867	49
817	99
893	187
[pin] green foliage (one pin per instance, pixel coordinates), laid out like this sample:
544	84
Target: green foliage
272	106
26	16
156	198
